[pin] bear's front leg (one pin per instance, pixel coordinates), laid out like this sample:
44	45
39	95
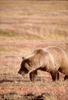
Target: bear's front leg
33	75
55	75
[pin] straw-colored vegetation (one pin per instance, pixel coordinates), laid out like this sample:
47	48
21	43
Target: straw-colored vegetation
24	26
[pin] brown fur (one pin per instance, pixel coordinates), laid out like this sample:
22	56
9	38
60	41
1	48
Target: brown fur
50	59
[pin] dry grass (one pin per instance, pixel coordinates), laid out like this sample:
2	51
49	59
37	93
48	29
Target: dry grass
35	19
24	26
49	37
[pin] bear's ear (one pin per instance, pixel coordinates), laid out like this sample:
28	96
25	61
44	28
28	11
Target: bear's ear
23	58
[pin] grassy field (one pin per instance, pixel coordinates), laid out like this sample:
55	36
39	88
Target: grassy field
26	25
35	19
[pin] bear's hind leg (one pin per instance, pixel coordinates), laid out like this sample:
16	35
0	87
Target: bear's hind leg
57	75
66	77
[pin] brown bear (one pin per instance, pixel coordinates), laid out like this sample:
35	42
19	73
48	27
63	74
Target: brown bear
51	59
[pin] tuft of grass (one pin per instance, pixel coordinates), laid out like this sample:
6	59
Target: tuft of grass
7	33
